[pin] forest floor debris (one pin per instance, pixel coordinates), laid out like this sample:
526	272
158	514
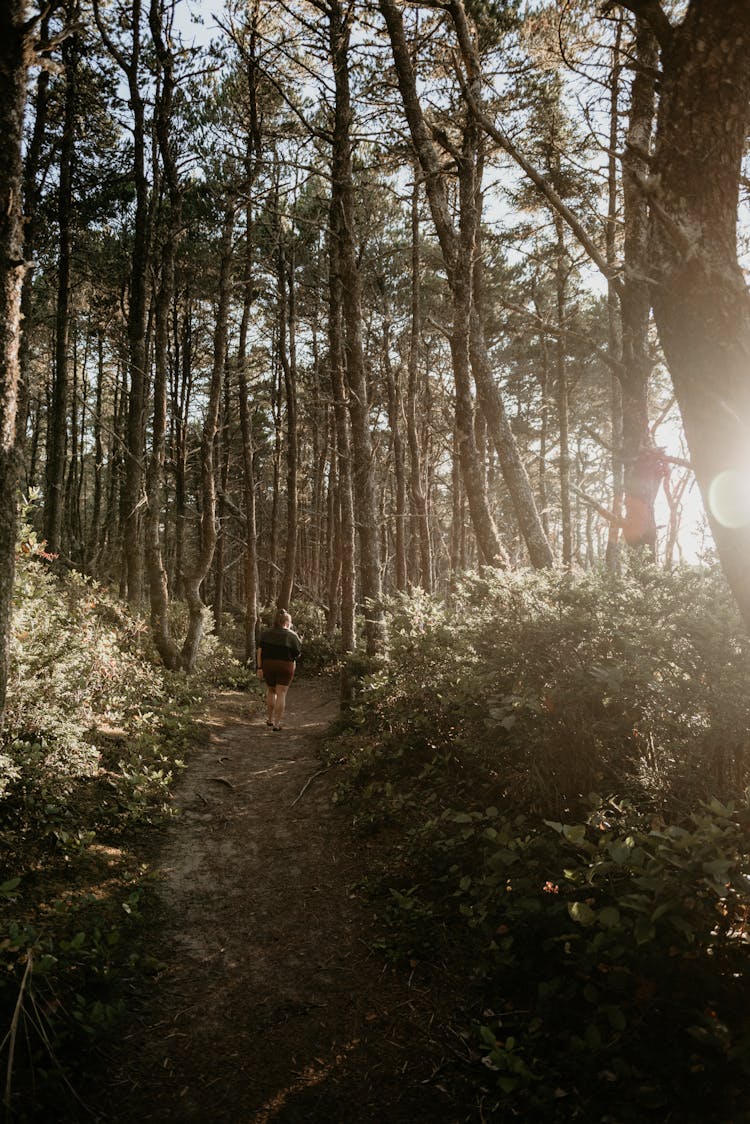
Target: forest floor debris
272	1005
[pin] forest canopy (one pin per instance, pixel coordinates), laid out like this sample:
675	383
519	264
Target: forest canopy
329	301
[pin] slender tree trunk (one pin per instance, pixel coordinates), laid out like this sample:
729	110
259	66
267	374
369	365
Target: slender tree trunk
57	417
96	510
343	440
223	457
334	545
287	357
614	334
31	230
393	389
248	468
157	574
204	555
459	260
15	53
253	152
158	582
132	490
180	412
342	199
420	523
641	466
561	385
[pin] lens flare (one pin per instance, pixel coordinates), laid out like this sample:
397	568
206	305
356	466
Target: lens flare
729	498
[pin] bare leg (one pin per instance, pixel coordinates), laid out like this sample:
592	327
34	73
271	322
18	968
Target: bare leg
280	707
270	703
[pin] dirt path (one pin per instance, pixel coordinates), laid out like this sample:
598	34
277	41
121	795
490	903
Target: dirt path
273	1007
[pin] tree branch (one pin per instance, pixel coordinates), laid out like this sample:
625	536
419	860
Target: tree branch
652	12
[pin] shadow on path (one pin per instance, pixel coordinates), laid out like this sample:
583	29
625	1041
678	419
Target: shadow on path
272	1007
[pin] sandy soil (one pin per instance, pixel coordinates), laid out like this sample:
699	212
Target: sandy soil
273	1006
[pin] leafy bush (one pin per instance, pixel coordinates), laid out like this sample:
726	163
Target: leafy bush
602	961
565	685
599	945
94	733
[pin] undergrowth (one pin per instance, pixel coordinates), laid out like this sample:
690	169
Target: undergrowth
95	732
556	769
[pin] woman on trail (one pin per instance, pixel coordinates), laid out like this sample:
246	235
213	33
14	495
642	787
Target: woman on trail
278	651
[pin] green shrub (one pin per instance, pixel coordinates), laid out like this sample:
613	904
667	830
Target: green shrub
566	685
599	946
95	731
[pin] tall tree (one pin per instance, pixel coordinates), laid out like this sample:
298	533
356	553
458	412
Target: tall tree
468	344
129	59
58	404
699	295
342	205
15	56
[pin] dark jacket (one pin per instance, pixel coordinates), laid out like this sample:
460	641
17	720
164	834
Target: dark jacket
280	644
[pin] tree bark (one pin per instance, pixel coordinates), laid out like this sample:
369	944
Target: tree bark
15	52
699	295
57	415
346	529
561	387
137	316
640	483
342	201
287	357
157	575
393	394
205	552
420	523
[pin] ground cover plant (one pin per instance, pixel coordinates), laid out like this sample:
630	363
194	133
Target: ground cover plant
95	732
556	769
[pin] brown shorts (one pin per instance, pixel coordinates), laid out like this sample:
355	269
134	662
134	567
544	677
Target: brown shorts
278	673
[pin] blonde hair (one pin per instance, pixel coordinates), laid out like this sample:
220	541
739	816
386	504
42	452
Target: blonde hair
282	619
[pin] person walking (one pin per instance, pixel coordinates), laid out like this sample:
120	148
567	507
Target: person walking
279	649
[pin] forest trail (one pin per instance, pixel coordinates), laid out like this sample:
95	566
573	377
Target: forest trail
272	1006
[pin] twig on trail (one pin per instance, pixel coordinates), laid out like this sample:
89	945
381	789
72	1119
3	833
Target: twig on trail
310	780
222	780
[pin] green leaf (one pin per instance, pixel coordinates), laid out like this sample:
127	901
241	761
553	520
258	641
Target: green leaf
609	917
582	913
574	833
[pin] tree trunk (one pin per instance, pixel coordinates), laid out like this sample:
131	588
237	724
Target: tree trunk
458	257
15	52
137	310
57	416
248	467
342	201
393	390
640	482
287	356
157	575
205	552
561	386
31	230
346	534
614	333
420	522
93	543
700	298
